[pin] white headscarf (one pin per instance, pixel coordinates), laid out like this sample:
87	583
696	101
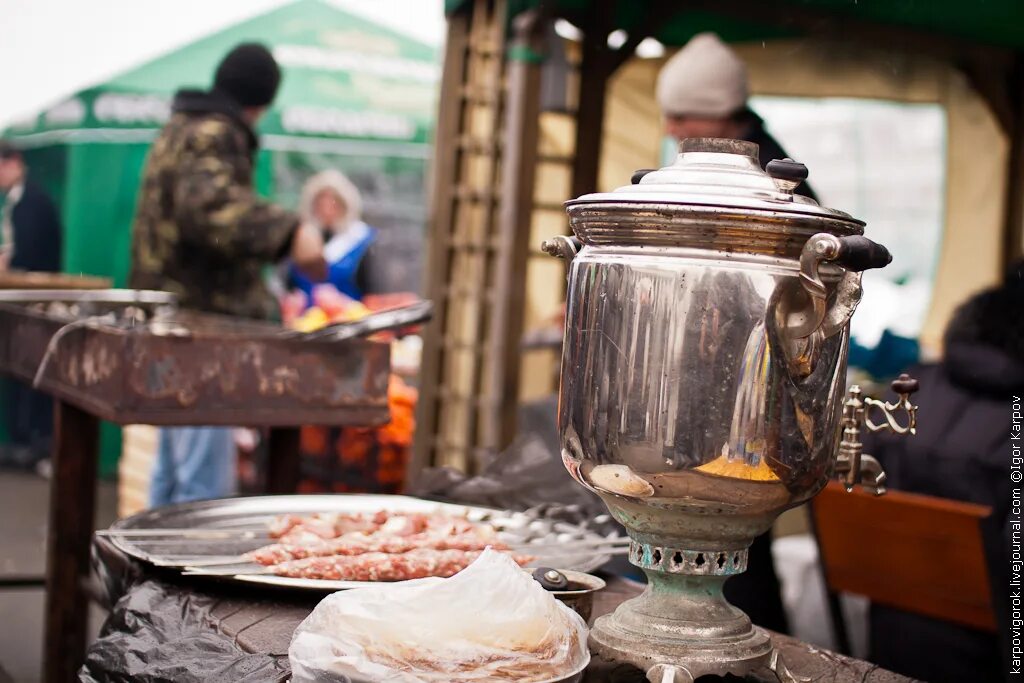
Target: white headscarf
337	182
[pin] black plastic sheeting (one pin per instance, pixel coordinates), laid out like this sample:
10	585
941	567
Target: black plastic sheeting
158	632
528	474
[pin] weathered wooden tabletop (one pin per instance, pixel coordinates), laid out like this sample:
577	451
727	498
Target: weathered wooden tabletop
266	626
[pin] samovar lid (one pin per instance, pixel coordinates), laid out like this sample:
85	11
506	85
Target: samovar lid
712	173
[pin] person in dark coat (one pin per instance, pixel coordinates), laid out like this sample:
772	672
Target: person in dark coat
200	229
702	92
30	239
962	450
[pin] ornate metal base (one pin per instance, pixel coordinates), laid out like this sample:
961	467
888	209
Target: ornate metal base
682	627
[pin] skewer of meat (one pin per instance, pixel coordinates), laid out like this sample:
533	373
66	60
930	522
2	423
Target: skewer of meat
326	524
359	544
415	564
302	529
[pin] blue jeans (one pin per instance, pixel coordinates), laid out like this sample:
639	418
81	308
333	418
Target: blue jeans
193	463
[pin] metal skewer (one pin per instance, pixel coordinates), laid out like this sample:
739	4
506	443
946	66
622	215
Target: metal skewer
612	546
248	569
212	534
251	570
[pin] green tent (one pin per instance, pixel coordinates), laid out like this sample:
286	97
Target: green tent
990	22
355	96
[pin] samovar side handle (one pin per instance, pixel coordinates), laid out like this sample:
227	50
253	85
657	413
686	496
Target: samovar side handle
855	254
562	246
801	313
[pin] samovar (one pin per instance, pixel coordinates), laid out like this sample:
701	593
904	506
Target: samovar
703	365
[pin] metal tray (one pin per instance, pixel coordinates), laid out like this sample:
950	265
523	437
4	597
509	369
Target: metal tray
133	297
518	528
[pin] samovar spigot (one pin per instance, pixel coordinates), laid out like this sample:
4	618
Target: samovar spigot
853	466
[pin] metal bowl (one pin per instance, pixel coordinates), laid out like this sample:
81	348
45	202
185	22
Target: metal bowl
576	676
579	596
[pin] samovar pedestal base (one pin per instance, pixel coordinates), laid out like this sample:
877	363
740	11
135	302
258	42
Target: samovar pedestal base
681	627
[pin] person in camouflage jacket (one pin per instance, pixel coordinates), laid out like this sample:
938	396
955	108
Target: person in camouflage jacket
202	233
200	230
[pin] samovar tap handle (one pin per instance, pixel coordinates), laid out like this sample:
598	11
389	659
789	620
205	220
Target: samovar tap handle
903	386
852	465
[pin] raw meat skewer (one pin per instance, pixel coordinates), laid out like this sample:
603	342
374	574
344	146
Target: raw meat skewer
415	564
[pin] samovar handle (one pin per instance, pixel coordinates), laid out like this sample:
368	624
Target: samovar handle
562	246
854	253
802	315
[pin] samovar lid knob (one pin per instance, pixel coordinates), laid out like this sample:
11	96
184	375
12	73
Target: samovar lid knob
639	174
787	174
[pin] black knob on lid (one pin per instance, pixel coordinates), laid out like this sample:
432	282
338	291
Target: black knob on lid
638	175
550	579
787	169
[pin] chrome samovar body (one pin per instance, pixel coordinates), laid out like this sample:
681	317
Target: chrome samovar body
702	379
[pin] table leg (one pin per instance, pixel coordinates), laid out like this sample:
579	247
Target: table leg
72	509
283	460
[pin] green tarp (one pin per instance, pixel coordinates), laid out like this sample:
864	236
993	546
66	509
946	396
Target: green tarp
355	96
985	22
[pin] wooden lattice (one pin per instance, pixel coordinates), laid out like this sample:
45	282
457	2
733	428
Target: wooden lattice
502	170
462	236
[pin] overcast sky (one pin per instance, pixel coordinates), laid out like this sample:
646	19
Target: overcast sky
52	48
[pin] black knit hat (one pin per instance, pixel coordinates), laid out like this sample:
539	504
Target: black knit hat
249	75
9	151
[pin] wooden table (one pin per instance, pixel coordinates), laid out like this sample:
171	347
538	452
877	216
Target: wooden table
21	279
194	370
260	628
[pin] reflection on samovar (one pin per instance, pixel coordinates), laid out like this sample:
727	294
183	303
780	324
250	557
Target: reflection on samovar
701	392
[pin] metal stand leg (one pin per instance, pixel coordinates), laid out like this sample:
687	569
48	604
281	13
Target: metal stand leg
72	510
669	673
284	467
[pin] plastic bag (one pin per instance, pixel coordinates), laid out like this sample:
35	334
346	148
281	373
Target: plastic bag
490	622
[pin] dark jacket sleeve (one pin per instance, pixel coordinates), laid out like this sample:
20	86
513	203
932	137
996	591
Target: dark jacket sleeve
37	233
215	205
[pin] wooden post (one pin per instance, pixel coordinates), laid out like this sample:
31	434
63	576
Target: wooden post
438	271
518	172
72	512
284	460
595	68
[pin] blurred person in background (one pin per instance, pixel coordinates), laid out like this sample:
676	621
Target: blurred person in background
348	459
702	92
30	236
30	240
202	233
332	203
961	451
